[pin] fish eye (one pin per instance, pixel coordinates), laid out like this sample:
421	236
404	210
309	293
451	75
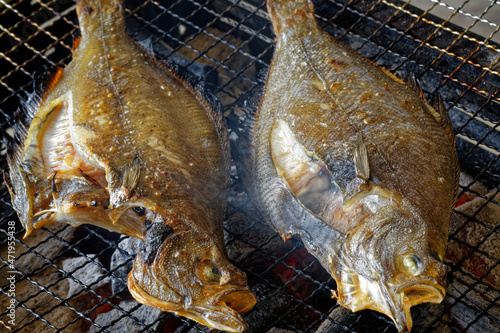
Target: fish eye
211	274
413	264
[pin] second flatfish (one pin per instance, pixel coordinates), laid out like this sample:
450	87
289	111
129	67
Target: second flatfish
355	162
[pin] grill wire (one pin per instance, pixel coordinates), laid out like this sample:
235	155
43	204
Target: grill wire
69	279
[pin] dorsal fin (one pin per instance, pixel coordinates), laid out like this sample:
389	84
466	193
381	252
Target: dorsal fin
147	45
413	83
436	101
205	97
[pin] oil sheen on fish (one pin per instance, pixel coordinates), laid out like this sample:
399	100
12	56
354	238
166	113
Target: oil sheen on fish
355	162
119	138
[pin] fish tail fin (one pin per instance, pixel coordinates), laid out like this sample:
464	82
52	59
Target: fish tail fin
100	14
289	13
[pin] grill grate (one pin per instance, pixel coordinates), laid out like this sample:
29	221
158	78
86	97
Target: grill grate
75	279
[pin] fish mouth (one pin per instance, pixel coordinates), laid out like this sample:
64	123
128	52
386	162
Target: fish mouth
357	293
409	296
397	304
237	299
427	292
220	311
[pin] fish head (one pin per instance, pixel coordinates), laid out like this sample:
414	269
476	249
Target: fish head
392	262
188	273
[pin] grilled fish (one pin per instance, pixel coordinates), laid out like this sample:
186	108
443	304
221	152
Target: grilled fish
355	162
119	138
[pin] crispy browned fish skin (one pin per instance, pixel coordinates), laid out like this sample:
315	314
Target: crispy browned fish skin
143	138
358	164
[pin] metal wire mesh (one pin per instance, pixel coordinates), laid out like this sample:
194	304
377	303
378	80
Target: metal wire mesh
75	279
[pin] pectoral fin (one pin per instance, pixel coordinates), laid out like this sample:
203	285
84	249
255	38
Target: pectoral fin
131	175
121	187
361	160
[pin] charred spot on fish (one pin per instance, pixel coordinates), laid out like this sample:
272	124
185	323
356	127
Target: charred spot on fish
87	10
337	63
156	235
76	204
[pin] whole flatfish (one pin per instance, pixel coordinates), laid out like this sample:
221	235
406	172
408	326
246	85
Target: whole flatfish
355	162
119	138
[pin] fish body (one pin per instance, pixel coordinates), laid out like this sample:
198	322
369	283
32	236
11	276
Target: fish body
118	138
355	162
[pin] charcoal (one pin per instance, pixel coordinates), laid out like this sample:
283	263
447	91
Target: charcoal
121	264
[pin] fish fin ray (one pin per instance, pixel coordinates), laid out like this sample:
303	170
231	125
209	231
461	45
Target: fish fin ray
121	185
414	84
127	221
436	101
361	162
206	98
32	160
147	45
131	175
